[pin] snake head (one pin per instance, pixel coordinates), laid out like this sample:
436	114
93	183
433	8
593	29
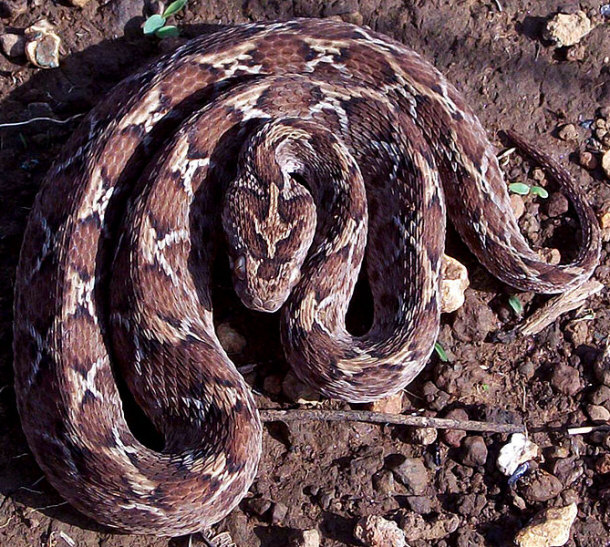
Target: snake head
269	219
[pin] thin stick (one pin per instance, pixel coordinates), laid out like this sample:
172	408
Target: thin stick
42	119
382	418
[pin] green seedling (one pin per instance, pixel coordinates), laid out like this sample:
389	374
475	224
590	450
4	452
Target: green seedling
155	24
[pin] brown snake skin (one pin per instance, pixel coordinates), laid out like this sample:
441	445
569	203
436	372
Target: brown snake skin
304	139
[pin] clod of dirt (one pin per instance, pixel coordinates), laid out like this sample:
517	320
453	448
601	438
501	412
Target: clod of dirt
299	392
474	320
13	45
258	506
413	474
606	163
474	451
602	465
566	379
393	404
383	482
42	45
231	341
422	505
604	221
557	205
549	528
567	29
11	8
375	531
454	281
517	451
416	528
453	437
541	486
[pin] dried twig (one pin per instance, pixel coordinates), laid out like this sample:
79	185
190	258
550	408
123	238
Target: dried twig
382	418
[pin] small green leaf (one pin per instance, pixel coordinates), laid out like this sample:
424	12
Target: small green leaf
519	188
174	7
539	191
515	304
440	350
153	24
169	31
485	387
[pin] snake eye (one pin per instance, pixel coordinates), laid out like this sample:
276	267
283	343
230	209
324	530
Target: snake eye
239	267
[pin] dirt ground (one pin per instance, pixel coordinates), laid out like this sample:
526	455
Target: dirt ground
326	476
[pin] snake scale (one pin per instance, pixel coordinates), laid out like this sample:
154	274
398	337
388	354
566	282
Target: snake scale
306	145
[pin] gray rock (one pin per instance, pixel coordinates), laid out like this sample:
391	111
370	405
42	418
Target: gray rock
413	474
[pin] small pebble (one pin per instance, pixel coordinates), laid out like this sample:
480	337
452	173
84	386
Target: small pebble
423	435
278	513
11	8
601	369
383	482
413	474
542	486
567	29
453	437
474	451
527	369
557	205
587	159
550	256
13	45
306	538
258	506
549	528
604	112
538	174
422	505
375	531
598	413
568	132
516	452
454	281
600	396
517	204
393	404
602	464
79	3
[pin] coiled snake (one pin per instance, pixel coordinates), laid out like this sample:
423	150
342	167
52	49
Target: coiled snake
304	139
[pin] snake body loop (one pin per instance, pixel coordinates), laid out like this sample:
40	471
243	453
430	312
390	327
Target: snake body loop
315	144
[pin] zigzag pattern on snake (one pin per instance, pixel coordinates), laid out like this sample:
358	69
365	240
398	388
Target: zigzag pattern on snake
306	140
